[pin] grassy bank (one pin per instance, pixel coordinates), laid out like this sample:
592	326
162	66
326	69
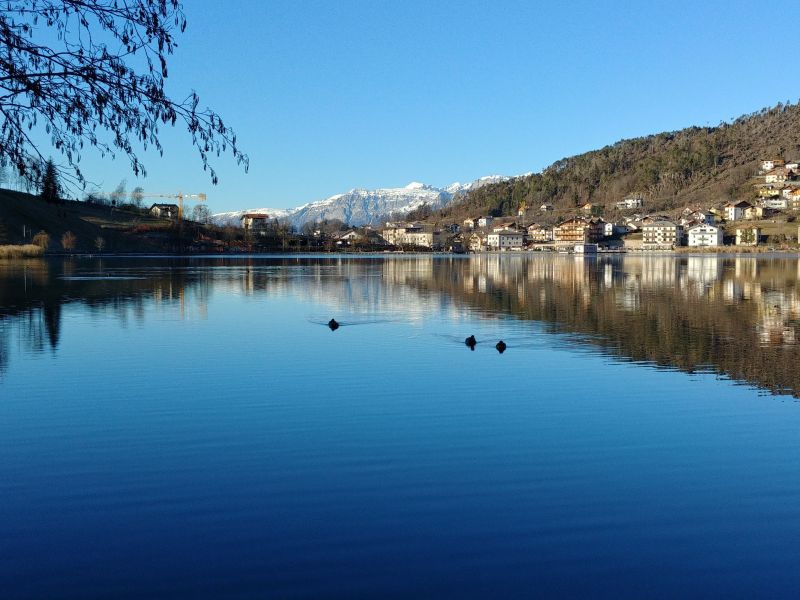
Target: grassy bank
21	251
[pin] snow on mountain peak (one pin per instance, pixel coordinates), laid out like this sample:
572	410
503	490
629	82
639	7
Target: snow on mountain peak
368	207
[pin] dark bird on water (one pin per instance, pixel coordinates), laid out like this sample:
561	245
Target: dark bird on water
501	346
333	325
471	341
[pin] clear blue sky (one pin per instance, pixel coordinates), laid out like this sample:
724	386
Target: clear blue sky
327	96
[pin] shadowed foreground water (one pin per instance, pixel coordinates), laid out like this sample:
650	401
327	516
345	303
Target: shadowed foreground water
193	428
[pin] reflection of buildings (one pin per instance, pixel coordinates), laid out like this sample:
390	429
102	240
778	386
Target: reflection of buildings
680	311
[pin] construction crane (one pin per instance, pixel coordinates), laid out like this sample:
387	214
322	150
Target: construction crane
180	196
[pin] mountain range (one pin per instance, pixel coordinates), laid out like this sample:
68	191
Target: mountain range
365	207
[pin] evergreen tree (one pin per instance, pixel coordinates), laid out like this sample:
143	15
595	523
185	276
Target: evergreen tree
50	188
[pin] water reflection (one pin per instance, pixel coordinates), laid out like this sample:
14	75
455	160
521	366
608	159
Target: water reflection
736	316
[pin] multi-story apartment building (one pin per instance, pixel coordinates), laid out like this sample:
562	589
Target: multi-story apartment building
662	234
579	230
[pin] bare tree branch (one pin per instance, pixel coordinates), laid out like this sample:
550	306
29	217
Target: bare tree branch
100	84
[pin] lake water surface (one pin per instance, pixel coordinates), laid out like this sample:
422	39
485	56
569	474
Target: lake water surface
192	428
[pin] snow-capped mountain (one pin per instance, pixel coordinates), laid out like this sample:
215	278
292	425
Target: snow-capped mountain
235	217
365	207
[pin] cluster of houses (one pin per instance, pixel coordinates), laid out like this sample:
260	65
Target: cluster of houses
778	184
777	189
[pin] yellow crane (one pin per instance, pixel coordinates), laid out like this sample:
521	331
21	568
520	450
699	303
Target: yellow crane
180	196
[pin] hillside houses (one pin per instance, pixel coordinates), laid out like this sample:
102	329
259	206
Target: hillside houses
778	175
771	163
777	191
629	203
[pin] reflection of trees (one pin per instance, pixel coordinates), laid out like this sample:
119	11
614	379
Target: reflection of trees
673	312
735	316
33	294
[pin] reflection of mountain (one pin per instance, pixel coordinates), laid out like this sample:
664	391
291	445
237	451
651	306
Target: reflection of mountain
734	316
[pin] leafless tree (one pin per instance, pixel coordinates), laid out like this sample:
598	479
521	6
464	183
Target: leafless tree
91	73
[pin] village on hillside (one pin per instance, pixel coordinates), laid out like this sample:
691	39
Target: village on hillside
766	218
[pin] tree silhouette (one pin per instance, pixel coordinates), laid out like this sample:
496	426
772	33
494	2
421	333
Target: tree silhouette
91	73
50	188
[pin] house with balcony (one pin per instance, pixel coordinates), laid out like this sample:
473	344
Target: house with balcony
255	223
476	242
662	235
704	235
579	230
539	234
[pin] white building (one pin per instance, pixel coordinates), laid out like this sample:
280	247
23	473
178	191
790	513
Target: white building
776	203
736	210
485	221
413	235
166	211
255	223
662	234
504	240
629	203
777	175
704	235
768	165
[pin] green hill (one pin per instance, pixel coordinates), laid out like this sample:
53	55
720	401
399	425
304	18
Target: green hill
697	165
122	230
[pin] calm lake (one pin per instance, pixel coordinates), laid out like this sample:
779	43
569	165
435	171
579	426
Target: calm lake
189	428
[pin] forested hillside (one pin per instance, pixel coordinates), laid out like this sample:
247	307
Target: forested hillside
698	165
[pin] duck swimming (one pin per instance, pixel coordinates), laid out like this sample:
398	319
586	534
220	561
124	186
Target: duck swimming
501	346
471	341
333	325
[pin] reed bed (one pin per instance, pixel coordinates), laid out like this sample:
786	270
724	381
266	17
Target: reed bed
21	251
